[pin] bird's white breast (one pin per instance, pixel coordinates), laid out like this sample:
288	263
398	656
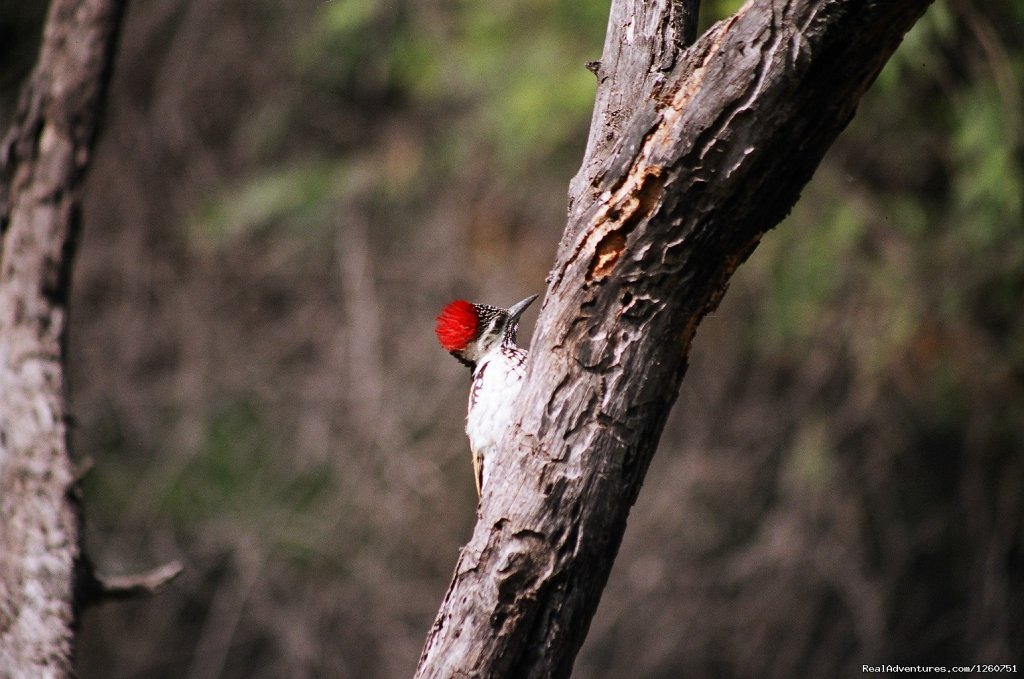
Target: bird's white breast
496	382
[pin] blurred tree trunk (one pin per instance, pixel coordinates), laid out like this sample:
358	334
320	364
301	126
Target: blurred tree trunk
693	154
42	165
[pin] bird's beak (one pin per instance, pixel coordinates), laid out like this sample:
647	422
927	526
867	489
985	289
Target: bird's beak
517	309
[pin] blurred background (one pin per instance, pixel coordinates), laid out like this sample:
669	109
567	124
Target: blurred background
284	196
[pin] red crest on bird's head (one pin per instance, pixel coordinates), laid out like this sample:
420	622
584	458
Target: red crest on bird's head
456	325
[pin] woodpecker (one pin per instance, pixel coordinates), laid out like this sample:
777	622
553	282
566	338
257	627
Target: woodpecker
483	338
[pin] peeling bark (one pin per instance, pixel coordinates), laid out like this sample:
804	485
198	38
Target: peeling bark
694	153
43	159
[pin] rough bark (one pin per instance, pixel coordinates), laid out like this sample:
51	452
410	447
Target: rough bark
42	164
691	159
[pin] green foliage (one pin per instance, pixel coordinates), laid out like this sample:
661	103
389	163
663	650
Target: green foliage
234	473
987	189
811	464
507	79
524	62
916	56
804	260
716	10
293	197
511	74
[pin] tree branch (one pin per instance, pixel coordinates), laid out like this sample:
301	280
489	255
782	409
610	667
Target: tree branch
693	155
98	587
643	43
42	164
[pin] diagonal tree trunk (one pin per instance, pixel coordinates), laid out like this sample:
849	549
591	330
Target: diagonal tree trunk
694	153
43	159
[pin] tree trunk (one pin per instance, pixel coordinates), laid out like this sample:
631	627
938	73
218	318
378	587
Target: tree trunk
42	164
693	154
